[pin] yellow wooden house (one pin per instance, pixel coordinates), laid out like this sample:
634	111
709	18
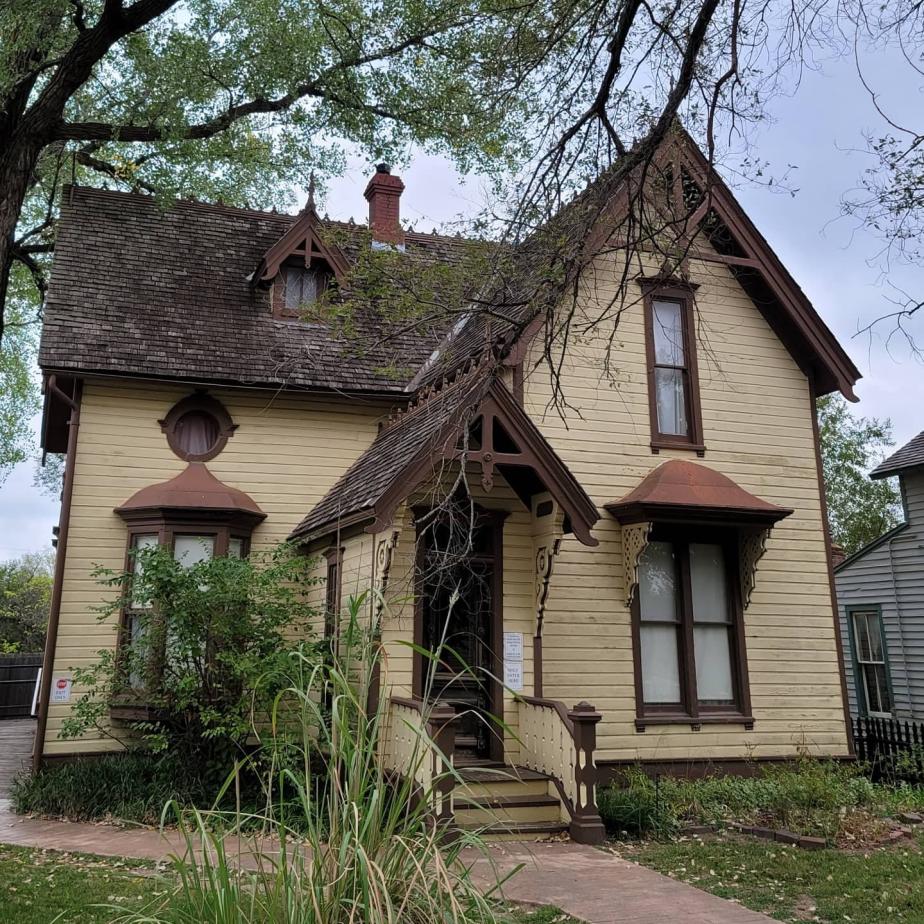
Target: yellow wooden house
645	576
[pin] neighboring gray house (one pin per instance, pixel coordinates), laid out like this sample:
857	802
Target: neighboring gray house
880	595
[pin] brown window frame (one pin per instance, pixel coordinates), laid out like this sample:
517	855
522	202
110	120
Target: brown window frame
280	309
206	404
690	710
333	593
682	294
130	704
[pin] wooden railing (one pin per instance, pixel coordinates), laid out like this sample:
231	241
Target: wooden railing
419	745
560	743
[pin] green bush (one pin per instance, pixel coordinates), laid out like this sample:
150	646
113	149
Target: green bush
808	796
634	805
356	845
209	649
132	786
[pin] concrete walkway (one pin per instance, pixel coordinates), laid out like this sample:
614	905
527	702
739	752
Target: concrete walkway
589	884
600	888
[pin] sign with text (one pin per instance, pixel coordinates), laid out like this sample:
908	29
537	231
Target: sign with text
61	690
513	660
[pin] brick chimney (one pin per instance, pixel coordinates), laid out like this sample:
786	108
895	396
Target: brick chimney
383	194
837	554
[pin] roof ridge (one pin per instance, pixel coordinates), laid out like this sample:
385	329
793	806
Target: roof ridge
436	391
455	240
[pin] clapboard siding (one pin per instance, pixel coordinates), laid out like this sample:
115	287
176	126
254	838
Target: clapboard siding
757	423
891	575
287	452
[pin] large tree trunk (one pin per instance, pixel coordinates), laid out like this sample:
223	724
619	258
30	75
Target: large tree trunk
18	159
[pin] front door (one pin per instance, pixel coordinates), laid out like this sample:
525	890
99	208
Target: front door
459	606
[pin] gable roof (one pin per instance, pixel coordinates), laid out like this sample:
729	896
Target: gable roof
140	289
304	239
408	451
869	547
752	261
911	455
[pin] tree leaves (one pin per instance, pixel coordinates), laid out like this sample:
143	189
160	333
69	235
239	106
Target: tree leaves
859	509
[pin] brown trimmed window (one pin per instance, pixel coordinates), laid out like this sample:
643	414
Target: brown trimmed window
298	287
191	543
690	660
673	386
197	428
332	594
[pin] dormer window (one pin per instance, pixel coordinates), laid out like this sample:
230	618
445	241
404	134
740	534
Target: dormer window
303	286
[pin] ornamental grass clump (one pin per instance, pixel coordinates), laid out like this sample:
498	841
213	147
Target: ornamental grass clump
337	839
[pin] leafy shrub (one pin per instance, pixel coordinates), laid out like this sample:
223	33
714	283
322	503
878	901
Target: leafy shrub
356	846
131	785
203	636
808	796
635	806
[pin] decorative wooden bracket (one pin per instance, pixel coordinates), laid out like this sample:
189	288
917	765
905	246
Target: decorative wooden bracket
634	540
548	529
384	555
751	549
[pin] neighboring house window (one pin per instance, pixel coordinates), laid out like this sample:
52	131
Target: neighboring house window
872	670
673	387
197	428
688	631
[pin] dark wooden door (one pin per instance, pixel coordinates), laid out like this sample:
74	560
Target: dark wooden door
458	610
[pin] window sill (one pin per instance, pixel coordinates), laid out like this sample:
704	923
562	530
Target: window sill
658	445
695	722
131	712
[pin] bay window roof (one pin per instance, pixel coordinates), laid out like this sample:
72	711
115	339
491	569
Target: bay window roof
679	490
194	491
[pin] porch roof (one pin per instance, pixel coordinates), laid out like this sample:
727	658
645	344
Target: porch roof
681	490
409	449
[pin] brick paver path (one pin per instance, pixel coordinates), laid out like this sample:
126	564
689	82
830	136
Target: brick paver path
601	888
590	884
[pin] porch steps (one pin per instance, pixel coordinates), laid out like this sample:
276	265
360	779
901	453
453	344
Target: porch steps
508	803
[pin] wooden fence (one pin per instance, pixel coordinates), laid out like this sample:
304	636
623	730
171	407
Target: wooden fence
17	684
893	749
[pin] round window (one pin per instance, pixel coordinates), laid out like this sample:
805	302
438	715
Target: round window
196	433
197	428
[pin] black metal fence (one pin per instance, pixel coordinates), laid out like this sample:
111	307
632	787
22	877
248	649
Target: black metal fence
894	750
17	683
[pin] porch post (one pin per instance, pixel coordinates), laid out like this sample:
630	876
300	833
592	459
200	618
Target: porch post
586	825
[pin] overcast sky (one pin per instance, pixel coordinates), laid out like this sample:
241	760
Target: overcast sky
818	131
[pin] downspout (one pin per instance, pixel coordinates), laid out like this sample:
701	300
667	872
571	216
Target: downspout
54	615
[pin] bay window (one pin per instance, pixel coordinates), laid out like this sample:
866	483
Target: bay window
690	663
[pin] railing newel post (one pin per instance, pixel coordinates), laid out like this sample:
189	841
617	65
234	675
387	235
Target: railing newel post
586	824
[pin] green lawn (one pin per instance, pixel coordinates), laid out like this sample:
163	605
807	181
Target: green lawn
866	887
45	886
38	885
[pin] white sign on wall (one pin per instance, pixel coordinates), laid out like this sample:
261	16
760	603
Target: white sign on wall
61	690
513	660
